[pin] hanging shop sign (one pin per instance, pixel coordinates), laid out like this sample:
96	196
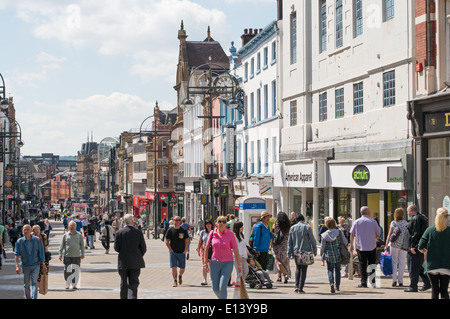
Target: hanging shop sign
395	174
231	151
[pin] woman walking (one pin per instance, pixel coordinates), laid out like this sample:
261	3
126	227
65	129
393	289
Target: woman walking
238	229
201	247
36	231
301	237
397	252
107	236
279	245
224	245
435	245
330	252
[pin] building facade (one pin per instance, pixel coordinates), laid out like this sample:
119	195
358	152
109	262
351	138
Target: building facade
347	72
258	128
429	112
193	135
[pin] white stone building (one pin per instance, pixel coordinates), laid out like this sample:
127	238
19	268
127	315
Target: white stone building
347	71
258	130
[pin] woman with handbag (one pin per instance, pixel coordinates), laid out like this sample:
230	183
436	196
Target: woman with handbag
395	242
43	276
224	246
301	246
331	242
279	244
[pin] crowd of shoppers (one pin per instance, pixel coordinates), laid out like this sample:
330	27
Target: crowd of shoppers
222	248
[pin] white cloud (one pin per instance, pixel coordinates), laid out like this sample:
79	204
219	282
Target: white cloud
143	30
65	126
45	62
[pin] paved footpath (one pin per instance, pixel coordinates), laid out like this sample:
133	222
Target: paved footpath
100	280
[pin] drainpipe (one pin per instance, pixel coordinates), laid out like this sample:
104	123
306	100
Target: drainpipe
428	17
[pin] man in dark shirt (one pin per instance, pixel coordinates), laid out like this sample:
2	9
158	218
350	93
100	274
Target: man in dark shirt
417	225
177	240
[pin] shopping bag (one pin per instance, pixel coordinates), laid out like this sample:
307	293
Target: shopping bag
386	263
243	289
43	284
271	261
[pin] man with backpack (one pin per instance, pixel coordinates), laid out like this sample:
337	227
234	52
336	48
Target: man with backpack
417	225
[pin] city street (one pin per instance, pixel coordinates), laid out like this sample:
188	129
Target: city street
100	280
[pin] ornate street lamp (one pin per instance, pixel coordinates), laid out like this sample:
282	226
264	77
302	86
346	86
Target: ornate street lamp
213	81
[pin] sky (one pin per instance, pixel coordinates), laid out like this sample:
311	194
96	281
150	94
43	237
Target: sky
90	69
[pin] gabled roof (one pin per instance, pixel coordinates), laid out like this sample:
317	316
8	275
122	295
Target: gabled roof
211	52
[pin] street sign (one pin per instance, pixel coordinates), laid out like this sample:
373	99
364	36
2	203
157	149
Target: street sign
231	151
180	187
204	199
197	187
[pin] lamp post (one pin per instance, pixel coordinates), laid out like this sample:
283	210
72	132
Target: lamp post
155	133
4	150
213	81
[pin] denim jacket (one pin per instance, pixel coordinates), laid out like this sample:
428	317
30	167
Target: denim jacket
295	239
33	257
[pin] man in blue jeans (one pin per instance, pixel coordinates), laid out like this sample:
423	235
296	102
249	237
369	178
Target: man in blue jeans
262	239
30	250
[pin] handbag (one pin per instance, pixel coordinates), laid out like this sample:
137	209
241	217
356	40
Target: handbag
210	247
304	258
343	251
278	237
396	231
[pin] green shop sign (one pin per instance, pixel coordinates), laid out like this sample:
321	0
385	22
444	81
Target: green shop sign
361	175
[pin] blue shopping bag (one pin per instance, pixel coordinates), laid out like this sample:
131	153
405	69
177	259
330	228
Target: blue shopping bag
386	263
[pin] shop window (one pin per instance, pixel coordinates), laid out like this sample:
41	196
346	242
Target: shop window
438	175
343	198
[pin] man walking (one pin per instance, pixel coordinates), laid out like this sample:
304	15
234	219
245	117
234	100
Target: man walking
72	249
130	244
366	231
30	250
417	225
262	239
177	240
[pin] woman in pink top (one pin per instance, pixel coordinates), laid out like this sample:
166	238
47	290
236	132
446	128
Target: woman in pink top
224	245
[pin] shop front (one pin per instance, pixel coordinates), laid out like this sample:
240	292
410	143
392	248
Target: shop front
139	206
379	185
165	205
302	189
430	118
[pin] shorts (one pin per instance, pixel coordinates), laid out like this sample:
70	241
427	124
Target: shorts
177	260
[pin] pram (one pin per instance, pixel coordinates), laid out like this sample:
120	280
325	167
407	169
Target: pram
256	278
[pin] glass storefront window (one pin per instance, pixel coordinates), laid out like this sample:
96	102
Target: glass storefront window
324	209
393	201
343	197
295	200
438	176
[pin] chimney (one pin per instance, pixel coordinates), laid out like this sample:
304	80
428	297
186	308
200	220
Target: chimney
248	35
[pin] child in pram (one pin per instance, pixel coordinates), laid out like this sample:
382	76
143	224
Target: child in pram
257	277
